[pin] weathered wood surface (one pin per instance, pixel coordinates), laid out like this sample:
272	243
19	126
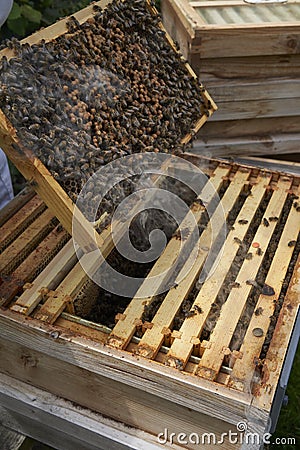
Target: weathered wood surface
9	440
64	425
95	373
274	37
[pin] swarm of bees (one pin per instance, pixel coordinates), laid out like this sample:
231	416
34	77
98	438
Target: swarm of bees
107	88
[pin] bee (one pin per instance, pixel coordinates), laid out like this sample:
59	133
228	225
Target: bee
292	243
198	309
266	222
273	219
190	313
237	240
267	290
249	256
259	251
243	221
258	311
234	284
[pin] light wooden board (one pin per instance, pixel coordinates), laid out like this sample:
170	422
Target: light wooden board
258	67
126	326
69	356
191	328
274	144
243	369
63	425
15	204
250	128
256	109
278	347
16	224
32	235
37	259
232	309
55	272
244	39
154	337
236	90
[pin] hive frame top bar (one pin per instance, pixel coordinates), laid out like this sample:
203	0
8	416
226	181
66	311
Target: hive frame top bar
33	169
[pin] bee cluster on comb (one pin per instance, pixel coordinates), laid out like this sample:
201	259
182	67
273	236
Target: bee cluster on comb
108	87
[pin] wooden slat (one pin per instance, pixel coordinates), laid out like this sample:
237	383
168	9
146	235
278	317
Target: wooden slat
259	67
276	354
232	309
65	293
246	40
57	29
15	204
252	129
154	337
257	109
56	270
243	368
125	328
274	144
21	220
28	268
28	239
191	328
243	89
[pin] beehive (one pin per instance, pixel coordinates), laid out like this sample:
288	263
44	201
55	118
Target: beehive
27	144
248	57
205	358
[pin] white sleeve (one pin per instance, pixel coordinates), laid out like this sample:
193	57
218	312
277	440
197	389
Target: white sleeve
5	8
6	189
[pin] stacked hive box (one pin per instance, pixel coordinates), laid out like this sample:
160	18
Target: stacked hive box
248	56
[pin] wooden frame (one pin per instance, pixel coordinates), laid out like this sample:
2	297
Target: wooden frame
101	369
254	78
33	169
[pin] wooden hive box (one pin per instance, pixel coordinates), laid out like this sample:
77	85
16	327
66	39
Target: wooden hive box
25	159
248	56
184	368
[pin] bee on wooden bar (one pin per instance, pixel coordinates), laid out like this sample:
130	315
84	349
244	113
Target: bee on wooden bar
258	311
266	222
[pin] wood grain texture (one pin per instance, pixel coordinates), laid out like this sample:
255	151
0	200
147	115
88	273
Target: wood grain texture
15	204
60	423
32	265
157	380
27	240
244	146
